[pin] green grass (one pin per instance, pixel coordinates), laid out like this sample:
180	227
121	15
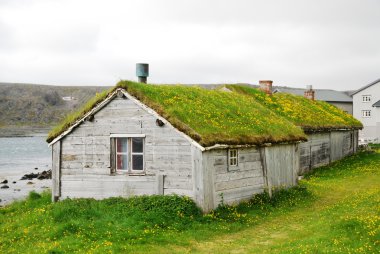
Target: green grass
336	209
310	115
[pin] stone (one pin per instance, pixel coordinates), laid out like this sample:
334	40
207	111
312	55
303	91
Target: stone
4	187
5	181
14	182
41	177
29	183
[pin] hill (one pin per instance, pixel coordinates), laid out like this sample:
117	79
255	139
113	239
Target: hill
26	107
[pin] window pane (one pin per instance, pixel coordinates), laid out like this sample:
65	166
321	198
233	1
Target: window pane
122	145
137	162
137	145
122	161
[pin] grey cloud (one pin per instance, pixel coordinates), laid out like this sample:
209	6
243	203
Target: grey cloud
60	40
296	42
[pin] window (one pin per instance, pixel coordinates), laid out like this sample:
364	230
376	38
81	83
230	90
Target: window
127	153
232	157
366	113
366	98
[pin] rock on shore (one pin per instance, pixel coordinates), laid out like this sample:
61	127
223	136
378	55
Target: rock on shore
40	176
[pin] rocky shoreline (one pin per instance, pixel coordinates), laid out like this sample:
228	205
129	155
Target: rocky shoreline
15	187
23	131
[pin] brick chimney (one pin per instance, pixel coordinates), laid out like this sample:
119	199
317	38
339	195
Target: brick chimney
266	86
309	93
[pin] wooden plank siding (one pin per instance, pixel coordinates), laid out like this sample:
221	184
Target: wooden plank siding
324	148
282	162
237	183
85	156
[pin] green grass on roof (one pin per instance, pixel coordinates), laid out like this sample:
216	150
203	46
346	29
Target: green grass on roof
208	116
310	115
243	116
214	116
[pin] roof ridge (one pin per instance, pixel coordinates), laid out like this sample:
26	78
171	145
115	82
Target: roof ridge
365	87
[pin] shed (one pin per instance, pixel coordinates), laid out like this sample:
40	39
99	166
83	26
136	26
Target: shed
138	139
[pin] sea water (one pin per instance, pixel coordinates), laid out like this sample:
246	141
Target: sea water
24	154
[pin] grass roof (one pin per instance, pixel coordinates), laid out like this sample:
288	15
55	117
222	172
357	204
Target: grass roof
208	116
244	116
303	112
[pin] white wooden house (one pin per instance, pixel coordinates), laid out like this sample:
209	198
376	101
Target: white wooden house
367	110
122	147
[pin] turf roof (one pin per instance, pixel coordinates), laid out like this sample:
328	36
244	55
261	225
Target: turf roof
303	112
244	116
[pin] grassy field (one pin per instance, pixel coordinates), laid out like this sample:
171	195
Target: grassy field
336	209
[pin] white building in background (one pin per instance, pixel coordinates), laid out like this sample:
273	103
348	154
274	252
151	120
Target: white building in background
68	98
366	102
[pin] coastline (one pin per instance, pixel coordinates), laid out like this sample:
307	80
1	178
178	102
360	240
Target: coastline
21	188
23	131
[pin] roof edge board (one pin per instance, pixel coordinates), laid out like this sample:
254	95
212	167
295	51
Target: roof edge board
365	87
83	118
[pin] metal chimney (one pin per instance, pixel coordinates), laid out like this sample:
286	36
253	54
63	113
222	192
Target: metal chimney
142	72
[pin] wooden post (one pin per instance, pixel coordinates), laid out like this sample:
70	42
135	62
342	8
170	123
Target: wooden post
267	181
56	171
160	184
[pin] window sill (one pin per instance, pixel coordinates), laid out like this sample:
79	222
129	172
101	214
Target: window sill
233	168
128	173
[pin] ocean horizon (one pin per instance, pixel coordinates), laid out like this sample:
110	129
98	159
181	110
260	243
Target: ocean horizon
24	154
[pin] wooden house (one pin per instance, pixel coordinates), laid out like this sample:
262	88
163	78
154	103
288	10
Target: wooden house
229	143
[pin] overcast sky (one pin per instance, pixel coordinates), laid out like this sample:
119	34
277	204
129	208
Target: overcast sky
328	44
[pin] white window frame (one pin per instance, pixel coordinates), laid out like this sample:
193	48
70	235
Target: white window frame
136	153
366	98
129	153
119	153
366	113
235	157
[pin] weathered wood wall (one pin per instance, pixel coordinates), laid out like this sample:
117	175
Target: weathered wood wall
233	183
85	156
282	164
56	171
324	148
315	152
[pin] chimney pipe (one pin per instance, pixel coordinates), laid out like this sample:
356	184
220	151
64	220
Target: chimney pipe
309	93
142	72
266	86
